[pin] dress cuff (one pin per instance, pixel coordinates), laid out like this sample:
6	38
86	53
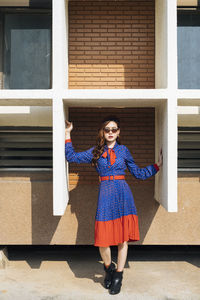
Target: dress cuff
68	141
156	167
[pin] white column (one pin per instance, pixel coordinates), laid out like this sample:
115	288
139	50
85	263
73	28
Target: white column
60	78
172	47
166	112
60	187
161	133
172	152
60	45
166	44
166	137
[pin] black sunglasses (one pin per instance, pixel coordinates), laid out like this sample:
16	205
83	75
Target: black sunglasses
113	130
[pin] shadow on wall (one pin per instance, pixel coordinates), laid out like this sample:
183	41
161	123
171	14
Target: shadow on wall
83	202
44	224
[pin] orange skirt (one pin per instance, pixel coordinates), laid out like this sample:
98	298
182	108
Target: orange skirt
114	232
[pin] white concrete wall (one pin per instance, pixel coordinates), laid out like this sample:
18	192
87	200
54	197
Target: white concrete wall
164	97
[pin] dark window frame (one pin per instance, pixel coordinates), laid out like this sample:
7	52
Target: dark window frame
14	11
17	152
189	12
187	149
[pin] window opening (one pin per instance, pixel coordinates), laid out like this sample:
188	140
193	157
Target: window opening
188	49
26	52
189	149
25	148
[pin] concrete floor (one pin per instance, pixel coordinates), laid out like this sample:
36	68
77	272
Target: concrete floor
64	273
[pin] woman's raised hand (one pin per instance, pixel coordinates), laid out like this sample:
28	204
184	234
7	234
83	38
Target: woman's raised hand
68	129
69	126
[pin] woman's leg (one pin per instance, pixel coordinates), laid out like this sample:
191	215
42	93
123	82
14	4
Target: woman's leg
122	255
105	255
109	267
118	275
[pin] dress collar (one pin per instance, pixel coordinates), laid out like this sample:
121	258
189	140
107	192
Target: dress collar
110	154
115	146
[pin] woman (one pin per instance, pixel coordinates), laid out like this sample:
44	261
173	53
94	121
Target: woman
116	221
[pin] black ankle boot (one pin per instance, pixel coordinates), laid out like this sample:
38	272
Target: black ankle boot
109	273
116	283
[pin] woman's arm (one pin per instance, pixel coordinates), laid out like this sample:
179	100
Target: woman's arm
70	154
140	173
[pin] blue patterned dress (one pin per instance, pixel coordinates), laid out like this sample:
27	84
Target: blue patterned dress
116	218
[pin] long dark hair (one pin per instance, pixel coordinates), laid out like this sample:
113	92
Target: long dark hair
101	142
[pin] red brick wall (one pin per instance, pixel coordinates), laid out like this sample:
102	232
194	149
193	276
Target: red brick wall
137	133
111	44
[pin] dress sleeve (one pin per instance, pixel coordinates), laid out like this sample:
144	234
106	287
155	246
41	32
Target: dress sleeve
77	157
140	173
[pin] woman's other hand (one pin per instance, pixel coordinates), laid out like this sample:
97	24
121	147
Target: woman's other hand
160	159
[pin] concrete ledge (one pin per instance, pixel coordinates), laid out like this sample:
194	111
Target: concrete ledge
4	262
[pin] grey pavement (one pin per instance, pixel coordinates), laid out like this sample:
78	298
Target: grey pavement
76	272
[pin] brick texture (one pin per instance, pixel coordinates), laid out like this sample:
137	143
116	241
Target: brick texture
137	133
111	44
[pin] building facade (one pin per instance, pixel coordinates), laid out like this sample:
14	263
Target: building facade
82	60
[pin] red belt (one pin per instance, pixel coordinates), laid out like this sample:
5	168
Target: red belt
111	177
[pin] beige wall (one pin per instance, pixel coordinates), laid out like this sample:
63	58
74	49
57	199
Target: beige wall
26	116
187	2
26	212
189	120
14	2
